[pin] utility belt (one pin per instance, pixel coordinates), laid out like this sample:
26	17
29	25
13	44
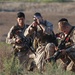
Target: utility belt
20	49
42	44
20	45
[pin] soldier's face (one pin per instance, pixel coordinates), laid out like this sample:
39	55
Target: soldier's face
61	28
21	21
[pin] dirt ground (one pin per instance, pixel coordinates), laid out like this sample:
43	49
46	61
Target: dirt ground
50	11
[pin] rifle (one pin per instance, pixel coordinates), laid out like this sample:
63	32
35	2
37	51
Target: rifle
26	41
57	54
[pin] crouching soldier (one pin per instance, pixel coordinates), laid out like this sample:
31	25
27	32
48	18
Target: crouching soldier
69	52
45	40
18	40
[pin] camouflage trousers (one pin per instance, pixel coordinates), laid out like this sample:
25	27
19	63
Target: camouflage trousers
23	57
42	53
70	56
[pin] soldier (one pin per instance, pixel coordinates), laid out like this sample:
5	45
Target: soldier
60	35
45	39
18	40
69	52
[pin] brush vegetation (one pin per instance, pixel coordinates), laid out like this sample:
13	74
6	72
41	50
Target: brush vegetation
10	67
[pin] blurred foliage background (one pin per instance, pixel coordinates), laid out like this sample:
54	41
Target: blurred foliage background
40	0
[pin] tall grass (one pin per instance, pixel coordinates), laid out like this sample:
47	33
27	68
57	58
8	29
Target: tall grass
16	69
11	67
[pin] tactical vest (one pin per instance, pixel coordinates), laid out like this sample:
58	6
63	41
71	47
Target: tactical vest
18	32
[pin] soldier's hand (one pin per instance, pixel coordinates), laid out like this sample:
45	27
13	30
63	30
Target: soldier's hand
36	20
34	24
18	40
56	48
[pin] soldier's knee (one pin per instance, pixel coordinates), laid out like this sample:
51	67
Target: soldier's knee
50	45
50	49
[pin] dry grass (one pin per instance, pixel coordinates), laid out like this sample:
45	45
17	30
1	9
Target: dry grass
7	67
50	11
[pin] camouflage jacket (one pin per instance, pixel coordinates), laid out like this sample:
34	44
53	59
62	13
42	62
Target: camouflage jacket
14	33
39	33
72	37
47	25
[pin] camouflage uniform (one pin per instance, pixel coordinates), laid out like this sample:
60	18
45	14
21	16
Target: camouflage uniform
44	48
71	52
69	58
19	48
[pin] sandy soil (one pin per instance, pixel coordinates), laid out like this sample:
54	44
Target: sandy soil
50	11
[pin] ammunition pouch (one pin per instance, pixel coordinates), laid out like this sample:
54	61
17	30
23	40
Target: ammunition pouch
17	50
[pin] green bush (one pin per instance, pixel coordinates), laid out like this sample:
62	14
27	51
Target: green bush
12	66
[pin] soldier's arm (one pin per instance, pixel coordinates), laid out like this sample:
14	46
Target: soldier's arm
47	28
10	39
29	30
72	48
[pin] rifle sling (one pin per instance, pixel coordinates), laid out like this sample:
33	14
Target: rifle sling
56	54
69	33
